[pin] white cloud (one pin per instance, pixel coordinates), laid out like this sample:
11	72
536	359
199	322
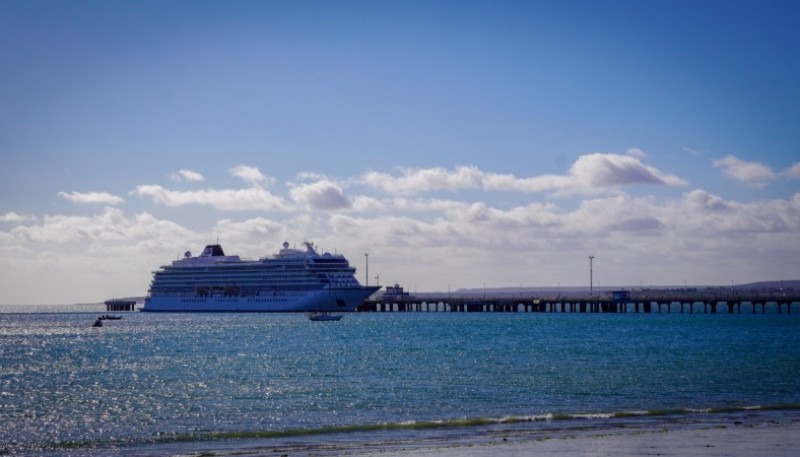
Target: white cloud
67	258
590	173
11	217
427	205
254	198
428	241
792	172
636	152
600	170
691	151
321	195
187	175
109	225
752	173
366	204
250	175
92	197
701	202
697	236
310	176
251	238
414	181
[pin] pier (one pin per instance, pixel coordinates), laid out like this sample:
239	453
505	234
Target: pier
120	305
622	303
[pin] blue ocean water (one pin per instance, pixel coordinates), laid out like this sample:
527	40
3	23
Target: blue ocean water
154	383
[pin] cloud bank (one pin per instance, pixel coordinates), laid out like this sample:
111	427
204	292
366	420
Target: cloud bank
92	197
254	198
754	174
591	173
421	229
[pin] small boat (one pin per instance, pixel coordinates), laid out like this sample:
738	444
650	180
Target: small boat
98	322
322	316
109	317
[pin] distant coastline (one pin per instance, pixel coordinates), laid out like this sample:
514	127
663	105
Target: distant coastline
759	286
767	287
574	291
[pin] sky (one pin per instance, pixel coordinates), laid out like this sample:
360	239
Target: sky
461	144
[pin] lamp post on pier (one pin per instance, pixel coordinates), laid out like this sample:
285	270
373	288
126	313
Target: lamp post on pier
366	256
591	293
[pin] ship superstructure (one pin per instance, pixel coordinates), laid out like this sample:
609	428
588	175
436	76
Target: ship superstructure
291	280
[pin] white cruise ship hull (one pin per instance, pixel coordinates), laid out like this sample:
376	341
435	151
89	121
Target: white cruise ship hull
337	300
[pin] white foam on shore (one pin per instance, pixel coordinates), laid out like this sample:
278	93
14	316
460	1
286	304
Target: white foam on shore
739	439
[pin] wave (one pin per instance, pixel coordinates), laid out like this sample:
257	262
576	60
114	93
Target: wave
716	410
590	419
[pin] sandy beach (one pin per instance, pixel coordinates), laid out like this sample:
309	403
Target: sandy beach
767	439
764	436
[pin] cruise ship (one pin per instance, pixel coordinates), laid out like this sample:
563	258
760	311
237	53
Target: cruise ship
294	280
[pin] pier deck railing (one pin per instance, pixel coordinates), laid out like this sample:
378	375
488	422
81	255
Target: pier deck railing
120	305
645	303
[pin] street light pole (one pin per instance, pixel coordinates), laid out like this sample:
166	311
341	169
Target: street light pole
591	258
366	255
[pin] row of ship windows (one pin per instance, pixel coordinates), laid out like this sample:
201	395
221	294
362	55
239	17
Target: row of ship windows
199	278
257	284
290	269
252	278
243	288
250	274
250	288
233	300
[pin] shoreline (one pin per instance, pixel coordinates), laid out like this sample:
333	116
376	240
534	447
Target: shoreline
765	439
767	434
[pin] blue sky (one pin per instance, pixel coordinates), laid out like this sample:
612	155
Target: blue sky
459	143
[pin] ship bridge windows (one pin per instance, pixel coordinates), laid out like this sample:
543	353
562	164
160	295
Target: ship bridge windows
330	262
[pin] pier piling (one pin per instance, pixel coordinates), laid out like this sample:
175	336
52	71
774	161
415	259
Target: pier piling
120	305
578	305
